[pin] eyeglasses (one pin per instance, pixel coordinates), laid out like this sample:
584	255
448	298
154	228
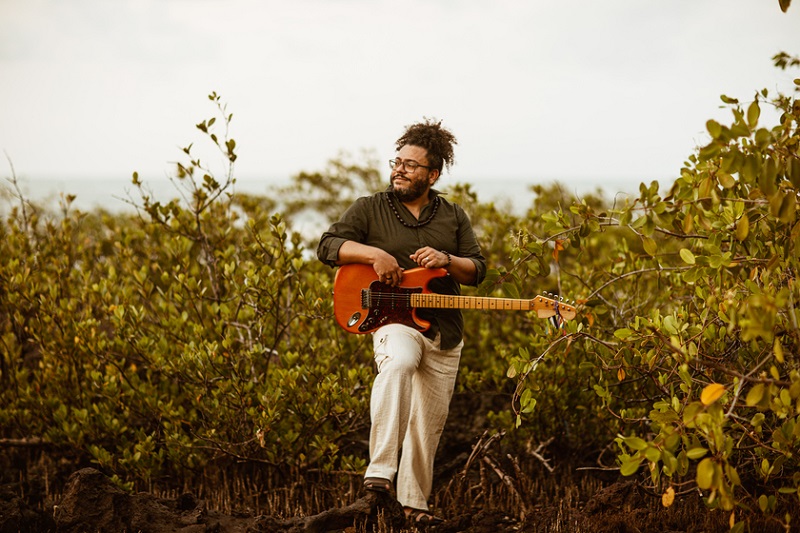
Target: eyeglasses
409	165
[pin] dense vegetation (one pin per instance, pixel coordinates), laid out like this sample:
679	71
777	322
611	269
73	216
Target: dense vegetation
196	336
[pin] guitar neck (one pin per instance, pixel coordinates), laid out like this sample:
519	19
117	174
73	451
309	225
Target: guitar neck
445	301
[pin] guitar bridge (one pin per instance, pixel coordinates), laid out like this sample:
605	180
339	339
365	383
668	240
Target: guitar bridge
365	298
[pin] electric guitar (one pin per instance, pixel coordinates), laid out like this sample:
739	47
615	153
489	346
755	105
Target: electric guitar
362	303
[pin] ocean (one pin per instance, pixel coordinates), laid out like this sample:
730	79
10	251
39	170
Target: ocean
116	195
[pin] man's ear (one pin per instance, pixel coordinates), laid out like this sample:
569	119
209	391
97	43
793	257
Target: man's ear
434	177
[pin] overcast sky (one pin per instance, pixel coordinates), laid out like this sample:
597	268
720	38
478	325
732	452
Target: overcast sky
585	92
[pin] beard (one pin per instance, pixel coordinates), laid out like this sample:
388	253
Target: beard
415	190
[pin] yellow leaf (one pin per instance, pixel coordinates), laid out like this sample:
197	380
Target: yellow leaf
712	393
778	350
621	374
557	247
668	497
742	228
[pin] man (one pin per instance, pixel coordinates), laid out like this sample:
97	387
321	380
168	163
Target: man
411	225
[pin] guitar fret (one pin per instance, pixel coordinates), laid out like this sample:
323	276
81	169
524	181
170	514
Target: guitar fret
444	301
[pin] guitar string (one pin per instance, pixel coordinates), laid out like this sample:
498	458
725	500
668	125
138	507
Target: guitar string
381	296
392	298
394	294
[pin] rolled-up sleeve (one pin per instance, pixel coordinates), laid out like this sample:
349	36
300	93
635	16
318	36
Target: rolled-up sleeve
468	246
351	227
328	248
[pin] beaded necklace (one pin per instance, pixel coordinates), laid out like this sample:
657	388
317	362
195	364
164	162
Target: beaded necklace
418	224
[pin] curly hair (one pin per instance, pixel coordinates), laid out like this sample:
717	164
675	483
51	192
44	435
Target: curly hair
437	140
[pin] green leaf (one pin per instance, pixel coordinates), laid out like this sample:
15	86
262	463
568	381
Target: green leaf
530	405
510	289
714	128
733	475
687	256
635	443
692	275
623	333
690	413
534	247
766	180
705	473
786	213
793	172
630	466
696	453
763	503
649	245
726	180
670	324
755	395
753	112
763	138
652	454
750	168
742	228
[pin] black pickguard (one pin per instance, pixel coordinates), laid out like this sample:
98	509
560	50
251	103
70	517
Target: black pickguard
388	305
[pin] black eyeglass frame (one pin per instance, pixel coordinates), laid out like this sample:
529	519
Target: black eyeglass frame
408	164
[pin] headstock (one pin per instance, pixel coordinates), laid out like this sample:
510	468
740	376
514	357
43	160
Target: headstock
553	306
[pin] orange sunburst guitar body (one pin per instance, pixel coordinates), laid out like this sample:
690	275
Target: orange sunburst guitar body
362	303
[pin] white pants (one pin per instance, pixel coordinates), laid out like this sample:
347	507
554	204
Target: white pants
410	400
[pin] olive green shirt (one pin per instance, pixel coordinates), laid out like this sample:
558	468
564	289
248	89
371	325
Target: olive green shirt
372	221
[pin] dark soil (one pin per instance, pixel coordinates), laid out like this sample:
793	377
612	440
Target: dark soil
476	491
92	503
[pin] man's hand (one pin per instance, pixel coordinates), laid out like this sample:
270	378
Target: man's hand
462	269
387	269
429	258
385	265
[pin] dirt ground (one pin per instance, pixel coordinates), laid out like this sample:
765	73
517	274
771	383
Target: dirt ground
476	491
92	503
